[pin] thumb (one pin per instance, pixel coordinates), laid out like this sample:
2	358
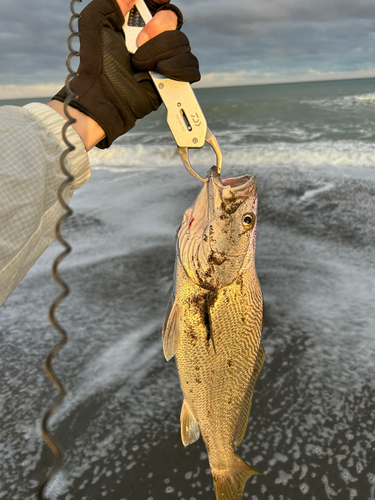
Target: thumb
165	20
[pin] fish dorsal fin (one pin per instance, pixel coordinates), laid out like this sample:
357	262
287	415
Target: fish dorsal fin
189	427
171	329
245	410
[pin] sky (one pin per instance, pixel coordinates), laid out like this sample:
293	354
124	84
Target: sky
238	42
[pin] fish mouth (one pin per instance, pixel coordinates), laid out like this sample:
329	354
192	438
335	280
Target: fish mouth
234	183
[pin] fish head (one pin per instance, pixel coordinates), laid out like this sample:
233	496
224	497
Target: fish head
216	240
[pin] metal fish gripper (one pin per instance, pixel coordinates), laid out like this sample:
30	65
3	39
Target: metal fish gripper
185	117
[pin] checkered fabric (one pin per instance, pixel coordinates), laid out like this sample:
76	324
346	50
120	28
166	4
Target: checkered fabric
31	145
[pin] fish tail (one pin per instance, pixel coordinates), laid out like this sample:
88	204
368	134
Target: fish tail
230	483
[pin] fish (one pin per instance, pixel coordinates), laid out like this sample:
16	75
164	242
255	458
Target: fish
213	324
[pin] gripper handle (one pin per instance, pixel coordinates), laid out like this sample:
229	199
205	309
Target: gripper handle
184	115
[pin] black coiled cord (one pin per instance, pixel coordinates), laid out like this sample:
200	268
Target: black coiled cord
51	441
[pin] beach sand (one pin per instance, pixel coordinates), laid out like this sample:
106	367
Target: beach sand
311	429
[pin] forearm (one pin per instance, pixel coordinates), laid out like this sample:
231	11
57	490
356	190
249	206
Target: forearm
29	179
87	128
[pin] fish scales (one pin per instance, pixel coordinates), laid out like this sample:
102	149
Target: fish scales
213	324
211	378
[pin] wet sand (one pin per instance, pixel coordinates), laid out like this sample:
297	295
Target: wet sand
311	429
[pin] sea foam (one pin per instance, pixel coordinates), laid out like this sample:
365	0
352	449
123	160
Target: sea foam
309	155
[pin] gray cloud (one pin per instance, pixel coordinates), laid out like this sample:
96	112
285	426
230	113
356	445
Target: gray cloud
284	36
217	13
33	40
291	35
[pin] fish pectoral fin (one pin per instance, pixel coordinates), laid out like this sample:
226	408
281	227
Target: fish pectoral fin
245	410
189	426
171	329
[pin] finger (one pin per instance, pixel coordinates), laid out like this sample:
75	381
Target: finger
183	67
126	5
164	46
165	20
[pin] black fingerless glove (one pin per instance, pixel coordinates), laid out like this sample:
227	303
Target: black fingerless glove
105	86
168	54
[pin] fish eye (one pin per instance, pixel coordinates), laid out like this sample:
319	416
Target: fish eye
248	220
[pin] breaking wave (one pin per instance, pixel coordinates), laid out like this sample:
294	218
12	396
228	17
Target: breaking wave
307	155
343	102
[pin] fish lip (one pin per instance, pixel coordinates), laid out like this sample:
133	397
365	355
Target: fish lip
235	183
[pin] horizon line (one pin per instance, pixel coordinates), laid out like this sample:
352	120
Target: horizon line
287	82
225	86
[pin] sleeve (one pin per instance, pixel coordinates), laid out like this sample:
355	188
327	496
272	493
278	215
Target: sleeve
30	148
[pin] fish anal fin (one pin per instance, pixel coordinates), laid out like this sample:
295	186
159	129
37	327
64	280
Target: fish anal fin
245	410
189	427
171	329
230	483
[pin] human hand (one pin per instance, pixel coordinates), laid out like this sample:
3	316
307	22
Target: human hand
165	20
108	96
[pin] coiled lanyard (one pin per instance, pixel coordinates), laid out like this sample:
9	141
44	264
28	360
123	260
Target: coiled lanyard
186	122
51	440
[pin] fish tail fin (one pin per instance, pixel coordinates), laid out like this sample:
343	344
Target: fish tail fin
230	483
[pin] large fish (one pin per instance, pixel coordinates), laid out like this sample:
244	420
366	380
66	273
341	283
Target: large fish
213	324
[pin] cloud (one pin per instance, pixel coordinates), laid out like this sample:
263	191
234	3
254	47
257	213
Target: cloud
33	38
247	40
346	44
218	15
25	91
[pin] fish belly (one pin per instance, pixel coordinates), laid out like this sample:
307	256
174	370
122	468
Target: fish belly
216	359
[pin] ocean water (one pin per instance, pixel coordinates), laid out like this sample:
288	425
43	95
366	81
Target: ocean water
312	425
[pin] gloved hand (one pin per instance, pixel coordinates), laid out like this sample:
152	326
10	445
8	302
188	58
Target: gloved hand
105	86
168	54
